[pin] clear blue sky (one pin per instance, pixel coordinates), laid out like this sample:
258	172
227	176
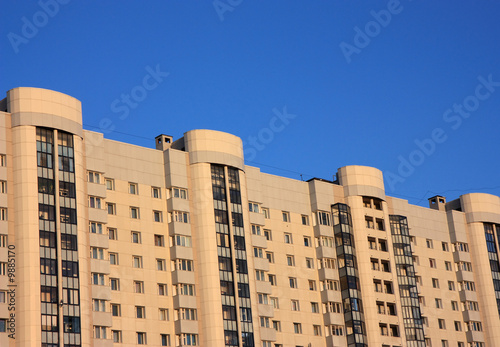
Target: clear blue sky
353	82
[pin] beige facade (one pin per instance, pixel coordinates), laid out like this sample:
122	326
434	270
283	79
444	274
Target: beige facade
105	243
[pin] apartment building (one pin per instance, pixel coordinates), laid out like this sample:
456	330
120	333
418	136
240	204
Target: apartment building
104	243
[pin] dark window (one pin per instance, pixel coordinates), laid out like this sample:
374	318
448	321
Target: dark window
243	290
69	268
71	324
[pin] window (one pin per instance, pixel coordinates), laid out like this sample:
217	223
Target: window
441	324
305	219
178	193
383	329
380	307
314	307
184	289
99	305
136	237
324	218
391	309
139	287
111	208
439	303
292	281
187	340
259	275
435	283
369	223
367	202
258	252
297	328
179	216
290	260
454	306
380	224
374	264
444	343
288	238
447	265
326	263
137	261
99	332
265	212
255	229
268	235
165	339
458	326
270	256
272	280
382	245
312	285
140	312
161	265
183	265
317	330
372	243
163	314
156	192
394	330
134	212
429	244
3	187
388	287
421	300
277	325
386	266
95	227
117	336
186	314
3	296
444	245
114	283
94	177
263	298
451	285
181	240
113	234
159	240
460	247
110	184
141	338
378	286
157	216
307	241
162	289
309	263
275	302
253	207
97	279
432	263
295	305
264	322
132	188
286	216
377	203
116	310
95	202
3	160
97	253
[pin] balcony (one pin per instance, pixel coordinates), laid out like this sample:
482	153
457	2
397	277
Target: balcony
183	277
186	326
99	240
177	204
261	264
263	287
323	230
185	301
179	228
328	274
102	319
180	252
267	334
257	218
325	252
265	310
101	292
99	266
259	241
333	318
